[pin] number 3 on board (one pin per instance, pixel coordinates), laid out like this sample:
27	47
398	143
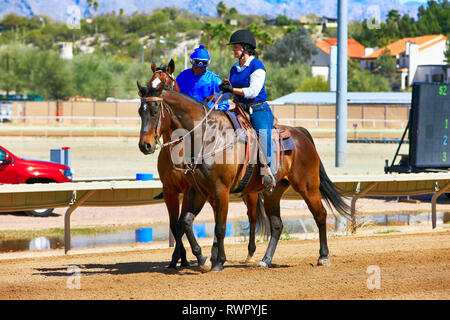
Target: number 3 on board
442	90
444	156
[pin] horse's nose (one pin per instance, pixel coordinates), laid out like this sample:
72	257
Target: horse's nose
145	147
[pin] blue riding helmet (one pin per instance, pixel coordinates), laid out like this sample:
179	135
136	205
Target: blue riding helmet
200	57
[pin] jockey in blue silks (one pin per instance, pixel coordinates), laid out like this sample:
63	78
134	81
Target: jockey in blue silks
198	82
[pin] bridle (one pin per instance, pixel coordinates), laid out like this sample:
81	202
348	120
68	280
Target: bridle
172	79
161	106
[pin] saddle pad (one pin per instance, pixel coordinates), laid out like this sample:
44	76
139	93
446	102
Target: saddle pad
233	118
286	144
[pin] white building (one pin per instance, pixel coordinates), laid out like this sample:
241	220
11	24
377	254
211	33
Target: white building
321	60
419	59
66	50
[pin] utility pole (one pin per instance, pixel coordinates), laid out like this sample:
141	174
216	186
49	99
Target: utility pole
341	93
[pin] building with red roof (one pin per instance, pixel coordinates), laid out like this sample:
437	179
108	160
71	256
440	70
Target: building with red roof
419	59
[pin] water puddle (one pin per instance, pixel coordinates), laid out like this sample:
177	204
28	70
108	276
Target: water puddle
206	230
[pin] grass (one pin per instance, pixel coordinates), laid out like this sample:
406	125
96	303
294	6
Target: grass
387	231
286	234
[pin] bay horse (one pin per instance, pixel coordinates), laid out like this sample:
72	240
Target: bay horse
193	122
174	183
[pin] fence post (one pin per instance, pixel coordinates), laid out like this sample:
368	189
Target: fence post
318	115
362	115
117	113
295	115
94	113
48	112
385	116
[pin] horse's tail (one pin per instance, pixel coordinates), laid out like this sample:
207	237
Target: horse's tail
262	222
328	190
331	194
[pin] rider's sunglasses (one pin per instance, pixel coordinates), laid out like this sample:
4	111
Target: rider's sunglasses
200	63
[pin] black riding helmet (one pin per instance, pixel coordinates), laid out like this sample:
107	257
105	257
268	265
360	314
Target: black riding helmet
243	37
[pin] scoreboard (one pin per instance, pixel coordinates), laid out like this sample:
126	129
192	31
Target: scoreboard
429	130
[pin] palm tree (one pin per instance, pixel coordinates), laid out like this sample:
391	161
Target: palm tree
221	9
207	31
221	34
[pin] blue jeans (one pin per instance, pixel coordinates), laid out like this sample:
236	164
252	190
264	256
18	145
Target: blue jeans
262	121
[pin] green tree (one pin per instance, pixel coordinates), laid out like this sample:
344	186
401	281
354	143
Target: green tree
263	39
314	84
221	9
284	79
282	20
364	80
447	53
221	35
53	77
295	46
207	32
387	68
12	21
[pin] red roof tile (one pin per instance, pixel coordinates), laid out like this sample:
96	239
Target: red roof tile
397	47
354	48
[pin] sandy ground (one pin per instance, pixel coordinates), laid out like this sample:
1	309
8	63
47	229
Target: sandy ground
412	263
393	266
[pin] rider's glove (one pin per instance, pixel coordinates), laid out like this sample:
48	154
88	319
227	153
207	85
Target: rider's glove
226	88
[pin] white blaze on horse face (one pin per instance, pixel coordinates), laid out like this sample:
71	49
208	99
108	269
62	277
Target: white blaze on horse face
156	82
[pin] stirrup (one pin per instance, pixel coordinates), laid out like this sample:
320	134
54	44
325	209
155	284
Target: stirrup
268	181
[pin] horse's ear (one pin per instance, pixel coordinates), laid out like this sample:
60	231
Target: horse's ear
153	67
171	67
140	88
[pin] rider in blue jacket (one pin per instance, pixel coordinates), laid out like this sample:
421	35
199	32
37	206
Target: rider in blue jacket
247	83
198	82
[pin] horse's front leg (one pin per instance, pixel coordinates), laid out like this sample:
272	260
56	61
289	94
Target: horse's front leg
195	205
220	215
173	207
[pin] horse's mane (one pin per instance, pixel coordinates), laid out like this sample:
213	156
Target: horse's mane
198	104
187	97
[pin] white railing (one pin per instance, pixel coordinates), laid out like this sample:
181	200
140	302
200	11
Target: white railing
91	121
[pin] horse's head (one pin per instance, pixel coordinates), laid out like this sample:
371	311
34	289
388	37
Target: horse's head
152	113
163	77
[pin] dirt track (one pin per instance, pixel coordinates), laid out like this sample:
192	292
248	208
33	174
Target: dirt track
412	266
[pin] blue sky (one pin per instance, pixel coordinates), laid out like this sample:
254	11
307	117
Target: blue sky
420	1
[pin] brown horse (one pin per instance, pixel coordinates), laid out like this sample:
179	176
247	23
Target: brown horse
193	123
174	182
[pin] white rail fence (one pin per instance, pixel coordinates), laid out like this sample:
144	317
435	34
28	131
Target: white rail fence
130	193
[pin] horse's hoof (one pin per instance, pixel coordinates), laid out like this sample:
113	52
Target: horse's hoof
250	260
206	267
185	264
262	264
172	266
323	262
217	267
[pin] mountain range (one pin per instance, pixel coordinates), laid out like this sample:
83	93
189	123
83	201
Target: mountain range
358	10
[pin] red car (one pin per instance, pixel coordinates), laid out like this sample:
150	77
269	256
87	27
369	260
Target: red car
17	170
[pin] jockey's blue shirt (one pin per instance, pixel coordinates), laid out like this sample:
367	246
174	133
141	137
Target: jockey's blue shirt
200	87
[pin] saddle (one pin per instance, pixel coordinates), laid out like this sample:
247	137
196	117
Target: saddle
281	141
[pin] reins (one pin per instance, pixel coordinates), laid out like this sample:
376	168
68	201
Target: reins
179	139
